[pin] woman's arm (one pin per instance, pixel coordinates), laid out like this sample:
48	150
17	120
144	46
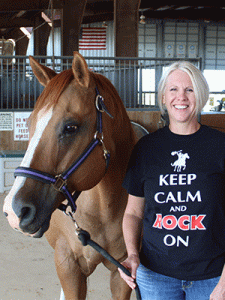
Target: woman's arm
132	230
219	291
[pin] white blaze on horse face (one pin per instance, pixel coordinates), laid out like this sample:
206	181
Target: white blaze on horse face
43	119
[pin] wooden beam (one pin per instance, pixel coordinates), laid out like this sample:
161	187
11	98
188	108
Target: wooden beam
12	5
204	14
41	36
126	19
18	22
97	18
22	44
73	11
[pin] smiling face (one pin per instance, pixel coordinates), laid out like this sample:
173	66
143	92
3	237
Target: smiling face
179	99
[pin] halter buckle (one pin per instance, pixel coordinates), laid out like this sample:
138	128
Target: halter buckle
99	103
60	183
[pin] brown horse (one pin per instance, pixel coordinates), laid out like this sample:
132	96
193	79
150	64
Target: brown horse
61	126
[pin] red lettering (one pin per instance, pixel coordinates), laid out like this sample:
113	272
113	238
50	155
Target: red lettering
158	221
185	222
181	222
169	222
196	222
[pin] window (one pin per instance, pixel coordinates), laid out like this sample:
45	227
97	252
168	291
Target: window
216	82
146	87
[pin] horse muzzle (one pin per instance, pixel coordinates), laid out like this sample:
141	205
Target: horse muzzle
24	217
25	222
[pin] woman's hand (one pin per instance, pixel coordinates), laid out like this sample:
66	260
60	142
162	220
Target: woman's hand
132	232
131	263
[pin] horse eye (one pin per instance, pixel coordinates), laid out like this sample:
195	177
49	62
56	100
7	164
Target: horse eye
70	128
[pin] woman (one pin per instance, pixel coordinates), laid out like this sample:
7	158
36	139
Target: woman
175	211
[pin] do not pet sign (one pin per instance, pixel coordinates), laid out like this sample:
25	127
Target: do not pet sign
21	132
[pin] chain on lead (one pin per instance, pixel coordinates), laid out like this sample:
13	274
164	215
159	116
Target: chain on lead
77	227
105	151
101	138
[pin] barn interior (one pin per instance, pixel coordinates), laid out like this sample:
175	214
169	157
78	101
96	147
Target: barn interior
130	42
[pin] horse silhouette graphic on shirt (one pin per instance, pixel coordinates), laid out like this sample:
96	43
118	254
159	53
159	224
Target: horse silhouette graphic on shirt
180	162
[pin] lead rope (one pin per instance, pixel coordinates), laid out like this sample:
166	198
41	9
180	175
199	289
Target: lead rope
85	239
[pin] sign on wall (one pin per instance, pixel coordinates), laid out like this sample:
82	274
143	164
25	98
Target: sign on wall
181	50
169	49
192	50
21	132
6	121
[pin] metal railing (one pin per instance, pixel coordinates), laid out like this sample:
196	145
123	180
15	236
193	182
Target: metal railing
136	79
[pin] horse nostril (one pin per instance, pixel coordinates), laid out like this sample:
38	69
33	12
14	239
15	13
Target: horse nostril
27	215
5	214
27	212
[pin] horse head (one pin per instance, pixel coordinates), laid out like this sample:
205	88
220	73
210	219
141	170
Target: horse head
61	126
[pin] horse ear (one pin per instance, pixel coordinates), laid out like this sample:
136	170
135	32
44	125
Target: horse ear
43	74
80	70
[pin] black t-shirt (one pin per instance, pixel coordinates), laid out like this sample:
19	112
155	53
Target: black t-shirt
182	178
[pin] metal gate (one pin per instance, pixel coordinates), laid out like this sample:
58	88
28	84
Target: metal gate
136	79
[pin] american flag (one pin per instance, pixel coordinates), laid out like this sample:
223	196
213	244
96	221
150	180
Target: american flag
93	39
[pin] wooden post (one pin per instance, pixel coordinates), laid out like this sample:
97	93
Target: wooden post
72	16
21	44
126	18
41	36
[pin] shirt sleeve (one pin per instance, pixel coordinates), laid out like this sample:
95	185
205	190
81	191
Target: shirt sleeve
133	181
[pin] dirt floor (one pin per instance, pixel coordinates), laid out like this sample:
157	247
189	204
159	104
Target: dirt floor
27	269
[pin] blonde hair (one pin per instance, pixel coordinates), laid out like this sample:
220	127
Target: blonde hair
200	85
